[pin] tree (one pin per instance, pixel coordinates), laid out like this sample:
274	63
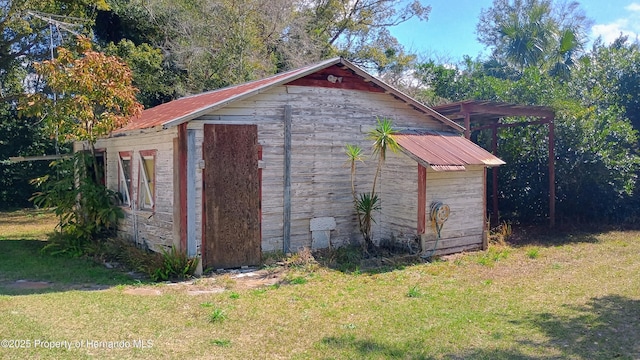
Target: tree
26	26
596	156
534	33
156	83
611	75
359	30
28	30
94	95
211	44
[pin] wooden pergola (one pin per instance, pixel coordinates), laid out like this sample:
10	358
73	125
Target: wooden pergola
480	115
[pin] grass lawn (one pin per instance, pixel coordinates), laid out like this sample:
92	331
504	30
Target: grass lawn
569	296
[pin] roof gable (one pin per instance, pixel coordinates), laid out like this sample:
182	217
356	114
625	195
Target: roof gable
332	73
337	77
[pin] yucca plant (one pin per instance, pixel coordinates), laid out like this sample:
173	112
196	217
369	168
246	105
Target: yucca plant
365	206
354	154
367	203
382	136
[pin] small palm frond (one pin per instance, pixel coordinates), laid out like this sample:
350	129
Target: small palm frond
354	153
382	136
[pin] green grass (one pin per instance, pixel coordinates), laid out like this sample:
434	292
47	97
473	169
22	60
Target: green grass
533	253
580	300
414	292
23	234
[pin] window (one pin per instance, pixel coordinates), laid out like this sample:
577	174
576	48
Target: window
124	177
147	179
102	166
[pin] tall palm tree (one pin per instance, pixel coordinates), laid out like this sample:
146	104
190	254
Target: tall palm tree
534	33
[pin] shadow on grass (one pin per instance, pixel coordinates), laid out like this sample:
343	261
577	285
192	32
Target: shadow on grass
546	237
352	348
25	270
367	348
604	328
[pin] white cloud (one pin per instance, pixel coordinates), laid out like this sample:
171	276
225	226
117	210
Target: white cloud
628	26
633	7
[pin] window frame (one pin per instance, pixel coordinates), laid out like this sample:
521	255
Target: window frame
146	186
125	155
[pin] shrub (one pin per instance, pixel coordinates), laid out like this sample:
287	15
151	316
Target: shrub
175	265
87	211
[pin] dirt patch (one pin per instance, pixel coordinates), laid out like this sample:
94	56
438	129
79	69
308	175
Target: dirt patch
29	285
216	283
143	291
209	284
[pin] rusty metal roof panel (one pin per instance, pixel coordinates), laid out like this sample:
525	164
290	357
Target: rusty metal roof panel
445	151
448	167
186	108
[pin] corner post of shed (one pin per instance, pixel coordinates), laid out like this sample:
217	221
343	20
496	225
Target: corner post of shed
422	199
286	225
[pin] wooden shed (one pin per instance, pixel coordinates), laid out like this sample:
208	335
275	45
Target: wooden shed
231	173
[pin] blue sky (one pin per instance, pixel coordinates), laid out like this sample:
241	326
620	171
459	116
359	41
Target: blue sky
450	32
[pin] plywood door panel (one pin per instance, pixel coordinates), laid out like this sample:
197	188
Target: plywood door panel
232	196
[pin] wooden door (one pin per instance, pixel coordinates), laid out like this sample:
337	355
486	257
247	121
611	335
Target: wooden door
232	196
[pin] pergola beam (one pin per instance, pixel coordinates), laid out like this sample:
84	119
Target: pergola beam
488	115
504	110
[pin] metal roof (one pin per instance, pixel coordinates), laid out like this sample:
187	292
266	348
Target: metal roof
444	151
184	109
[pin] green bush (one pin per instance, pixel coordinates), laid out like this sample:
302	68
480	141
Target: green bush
175	265
87	211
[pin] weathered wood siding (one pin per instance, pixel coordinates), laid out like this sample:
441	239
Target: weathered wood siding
324	120
151	228
463	191
398	190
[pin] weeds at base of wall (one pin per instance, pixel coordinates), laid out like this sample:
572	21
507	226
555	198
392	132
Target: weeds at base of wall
500	234
303	259
167	265
390	254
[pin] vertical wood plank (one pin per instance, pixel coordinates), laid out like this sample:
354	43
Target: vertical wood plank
286	243
191	193
177	210
485	226
422	199
260	192
182	183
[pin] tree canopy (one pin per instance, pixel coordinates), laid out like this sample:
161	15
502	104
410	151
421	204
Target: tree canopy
538	58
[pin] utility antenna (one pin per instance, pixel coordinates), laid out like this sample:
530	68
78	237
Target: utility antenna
55	21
